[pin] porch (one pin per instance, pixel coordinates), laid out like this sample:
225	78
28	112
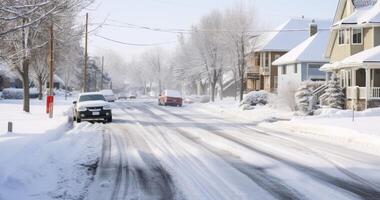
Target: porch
362	86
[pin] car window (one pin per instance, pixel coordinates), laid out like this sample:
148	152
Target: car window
93	97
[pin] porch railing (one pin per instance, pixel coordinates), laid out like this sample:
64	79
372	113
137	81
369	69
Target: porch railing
375	93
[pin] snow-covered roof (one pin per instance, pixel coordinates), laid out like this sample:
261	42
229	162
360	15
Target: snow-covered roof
288	35
362	15
58	79
368	56
311	50
5	71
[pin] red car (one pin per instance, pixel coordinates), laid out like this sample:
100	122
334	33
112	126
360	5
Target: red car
170	97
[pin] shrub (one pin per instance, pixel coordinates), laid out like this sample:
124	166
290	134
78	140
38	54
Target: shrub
255	98
15	93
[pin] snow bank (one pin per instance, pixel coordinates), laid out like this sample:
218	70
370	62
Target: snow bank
56	164
230	109
336	126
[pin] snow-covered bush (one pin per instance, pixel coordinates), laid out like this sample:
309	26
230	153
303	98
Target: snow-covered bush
15	93
303	99
335	96
255	98
286	96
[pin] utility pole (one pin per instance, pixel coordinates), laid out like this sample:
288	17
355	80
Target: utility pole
51	73
96	80
101	83
85	57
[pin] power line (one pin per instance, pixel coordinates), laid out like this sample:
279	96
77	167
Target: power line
189	31
135	44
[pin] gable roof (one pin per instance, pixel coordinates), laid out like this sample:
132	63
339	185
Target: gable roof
311	50
342	6
287	35
362	15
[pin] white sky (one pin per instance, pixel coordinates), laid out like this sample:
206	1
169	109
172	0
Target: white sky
181	14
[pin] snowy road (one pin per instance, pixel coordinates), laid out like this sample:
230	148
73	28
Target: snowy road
153	152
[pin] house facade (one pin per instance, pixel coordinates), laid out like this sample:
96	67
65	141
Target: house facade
262	74
352	51
303	63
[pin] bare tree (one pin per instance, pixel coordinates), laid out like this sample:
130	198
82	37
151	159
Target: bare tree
239	23
208	38
26	19
156	65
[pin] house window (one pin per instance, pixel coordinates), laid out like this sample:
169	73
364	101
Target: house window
295	68
283	69
257	60
266	57
357	36
344	36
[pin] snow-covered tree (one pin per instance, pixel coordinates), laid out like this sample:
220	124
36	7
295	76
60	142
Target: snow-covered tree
303	99
335	95
23	30
209	40
238	25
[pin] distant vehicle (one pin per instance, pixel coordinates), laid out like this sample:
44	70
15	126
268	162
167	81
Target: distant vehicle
92	107
170	97
132	95
122	97
109	95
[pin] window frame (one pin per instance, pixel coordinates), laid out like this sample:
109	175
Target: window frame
284	69
361	36
344	36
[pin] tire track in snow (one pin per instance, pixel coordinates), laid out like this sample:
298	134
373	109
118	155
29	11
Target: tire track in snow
154	180
272	185
359	187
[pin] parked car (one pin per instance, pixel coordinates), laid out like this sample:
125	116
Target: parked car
92	107
170	97
109	95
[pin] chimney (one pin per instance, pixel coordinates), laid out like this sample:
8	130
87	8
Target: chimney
313	28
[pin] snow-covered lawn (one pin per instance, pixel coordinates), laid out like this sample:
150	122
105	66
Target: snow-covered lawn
45	158
334	126
229	108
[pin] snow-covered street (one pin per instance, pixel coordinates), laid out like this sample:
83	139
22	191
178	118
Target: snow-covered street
154	152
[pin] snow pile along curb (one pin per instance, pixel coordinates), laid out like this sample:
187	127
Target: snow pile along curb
56	165
346	137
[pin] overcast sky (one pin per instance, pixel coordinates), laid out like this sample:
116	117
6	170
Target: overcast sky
181	14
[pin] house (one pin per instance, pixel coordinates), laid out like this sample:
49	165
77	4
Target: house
303	62
261	73
58	82
353	52
8	78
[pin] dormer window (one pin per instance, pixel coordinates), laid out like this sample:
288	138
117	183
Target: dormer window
344	36
357	36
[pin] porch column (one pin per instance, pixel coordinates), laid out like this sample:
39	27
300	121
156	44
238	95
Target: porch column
368	85
353	77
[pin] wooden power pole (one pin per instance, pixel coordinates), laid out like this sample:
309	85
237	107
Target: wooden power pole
51	71
101	83
85	57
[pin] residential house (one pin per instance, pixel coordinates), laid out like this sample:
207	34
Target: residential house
303	62
353	52
8	78
261	73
